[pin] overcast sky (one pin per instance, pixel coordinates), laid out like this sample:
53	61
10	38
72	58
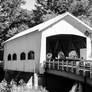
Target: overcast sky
29	4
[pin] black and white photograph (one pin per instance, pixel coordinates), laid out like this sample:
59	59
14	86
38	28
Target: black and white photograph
45	45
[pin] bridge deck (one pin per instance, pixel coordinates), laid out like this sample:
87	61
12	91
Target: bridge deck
71	68
66	74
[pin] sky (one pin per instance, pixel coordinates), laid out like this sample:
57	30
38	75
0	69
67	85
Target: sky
29	4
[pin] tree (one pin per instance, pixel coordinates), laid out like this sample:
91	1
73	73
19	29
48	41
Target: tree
13	18
79	8
42	12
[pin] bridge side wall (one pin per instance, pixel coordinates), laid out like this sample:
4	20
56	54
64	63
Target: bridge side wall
29	42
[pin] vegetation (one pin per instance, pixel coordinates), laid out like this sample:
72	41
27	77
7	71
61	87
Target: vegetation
21	87
14	19
79	8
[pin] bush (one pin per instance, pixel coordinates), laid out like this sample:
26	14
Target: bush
22	87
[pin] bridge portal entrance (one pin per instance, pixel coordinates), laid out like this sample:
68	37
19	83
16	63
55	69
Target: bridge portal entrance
66	44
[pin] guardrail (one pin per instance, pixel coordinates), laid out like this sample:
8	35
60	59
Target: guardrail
75	66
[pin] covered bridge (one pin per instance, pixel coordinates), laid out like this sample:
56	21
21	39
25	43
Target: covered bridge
27	51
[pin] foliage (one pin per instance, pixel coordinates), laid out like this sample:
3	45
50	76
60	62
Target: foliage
76	7
22	87
79	8
13	18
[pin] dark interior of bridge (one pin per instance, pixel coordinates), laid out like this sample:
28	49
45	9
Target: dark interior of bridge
64	43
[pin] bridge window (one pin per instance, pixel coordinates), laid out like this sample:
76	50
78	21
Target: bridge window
22	56
31	55
14	56
9	57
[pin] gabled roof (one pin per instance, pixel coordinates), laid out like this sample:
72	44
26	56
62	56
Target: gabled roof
48	23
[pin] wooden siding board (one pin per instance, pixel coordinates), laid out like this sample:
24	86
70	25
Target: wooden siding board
26	43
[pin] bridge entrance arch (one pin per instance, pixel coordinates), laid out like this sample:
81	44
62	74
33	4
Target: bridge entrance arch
67	44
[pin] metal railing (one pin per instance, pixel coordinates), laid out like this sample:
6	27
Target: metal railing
75	66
